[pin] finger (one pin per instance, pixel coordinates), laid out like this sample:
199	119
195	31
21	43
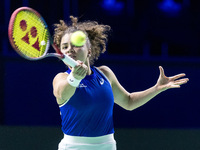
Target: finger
80	62
178	76
80	74
83	73
175	86
82	70
77	67
181	81
161	71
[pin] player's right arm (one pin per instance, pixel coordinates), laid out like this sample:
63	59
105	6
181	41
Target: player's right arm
62	89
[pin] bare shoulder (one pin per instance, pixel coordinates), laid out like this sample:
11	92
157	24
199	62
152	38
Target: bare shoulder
107	71
60	76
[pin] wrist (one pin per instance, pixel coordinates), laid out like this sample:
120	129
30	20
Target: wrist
159	88
73	81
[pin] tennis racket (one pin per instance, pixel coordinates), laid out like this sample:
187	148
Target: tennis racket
29	36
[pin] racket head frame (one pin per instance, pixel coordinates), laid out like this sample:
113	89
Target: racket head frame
50	41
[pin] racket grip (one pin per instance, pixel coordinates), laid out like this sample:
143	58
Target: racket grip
68	60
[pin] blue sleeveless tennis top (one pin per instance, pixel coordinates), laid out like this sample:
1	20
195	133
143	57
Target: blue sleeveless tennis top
89	112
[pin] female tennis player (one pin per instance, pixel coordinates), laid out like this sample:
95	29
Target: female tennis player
86	94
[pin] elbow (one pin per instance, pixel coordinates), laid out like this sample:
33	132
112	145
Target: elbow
62	94
128	109
57	94
60	98
130	106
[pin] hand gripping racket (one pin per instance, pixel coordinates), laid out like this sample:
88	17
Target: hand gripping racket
29	36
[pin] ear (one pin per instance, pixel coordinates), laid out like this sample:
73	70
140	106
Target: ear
89	52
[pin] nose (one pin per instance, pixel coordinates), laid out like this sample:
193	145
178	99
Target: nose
70	49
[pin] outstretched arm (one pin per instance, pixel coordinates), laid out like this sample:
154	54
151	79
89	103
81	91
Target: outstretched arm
134	100
137	99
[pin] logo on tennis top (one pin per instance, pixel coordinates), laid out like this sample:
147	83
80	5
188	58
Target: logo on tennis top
71	80
29	34
101	81
82	85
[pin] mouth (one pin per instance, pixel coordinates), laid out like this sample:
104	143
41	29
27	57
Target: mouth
72	56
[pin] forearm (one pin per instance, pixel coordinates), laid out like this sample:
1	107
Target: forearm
66	90
130	101
63	91
65	86
137	99
61	88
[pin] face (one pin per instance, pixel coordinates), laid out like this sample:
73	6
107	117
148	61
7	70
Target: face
77	53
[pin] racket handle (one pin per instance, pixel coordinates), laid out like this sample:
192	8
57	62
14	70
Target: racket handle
68	60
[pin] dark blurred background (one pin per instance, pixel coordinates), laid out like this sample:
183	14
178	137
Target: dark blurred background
145	34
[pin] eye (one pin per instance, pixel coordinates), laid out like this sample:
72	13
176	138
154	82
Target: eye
64	47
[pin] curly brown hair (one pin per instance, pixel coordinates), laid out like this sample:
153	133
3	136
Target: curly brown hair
97	34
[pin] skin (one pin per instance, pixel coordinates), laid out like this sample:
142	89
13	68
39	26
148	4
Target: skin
129	101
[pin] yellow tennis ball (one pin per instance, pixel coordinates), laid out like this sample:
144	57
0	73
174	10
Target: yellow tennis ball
78	38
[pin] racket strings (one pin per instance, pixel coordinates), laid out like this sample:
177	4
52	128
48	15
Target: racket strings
30	34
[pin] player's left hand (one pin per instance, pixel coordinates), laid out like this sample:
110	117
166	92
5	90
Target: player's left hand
165	82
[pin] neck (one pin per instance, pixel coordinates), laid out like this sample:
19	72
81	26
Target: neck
89	69
89	72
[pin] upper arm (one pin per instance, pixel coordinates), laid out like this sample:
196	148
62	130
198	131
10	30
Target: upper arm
61	89
121	96
56	81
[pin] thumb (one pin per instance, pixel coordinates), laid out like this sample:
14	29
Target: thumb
162	74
